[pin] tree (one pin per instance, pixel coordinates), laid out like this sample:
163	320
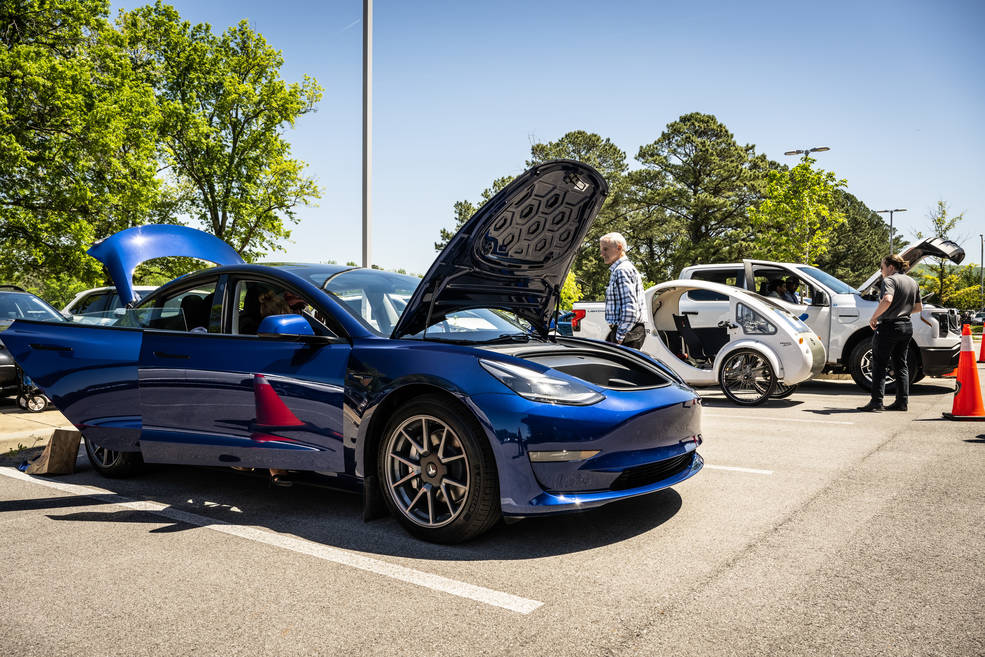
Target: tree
570	292
795	220
856	245
941	225
223	111
688	203
77	142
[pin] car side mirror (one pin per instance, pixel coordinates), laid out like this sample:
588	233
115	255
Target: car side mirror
275	325
820	299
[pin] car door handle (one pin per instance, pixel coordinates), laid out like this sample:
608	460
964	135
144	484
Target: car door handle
689	312
49	347
165	354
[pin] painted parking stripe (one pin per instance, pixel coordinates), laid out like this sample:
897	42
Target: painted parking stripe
760	418
301	546
735	469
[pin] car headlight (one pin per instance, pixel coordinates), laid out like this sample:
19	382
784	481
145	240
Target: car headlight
541	387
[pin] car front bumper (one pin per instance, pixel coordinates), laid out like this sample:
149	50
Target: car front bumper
938	361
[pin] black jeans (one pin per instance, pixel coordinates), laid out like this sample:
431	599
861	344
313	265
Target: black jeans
634	336
889	343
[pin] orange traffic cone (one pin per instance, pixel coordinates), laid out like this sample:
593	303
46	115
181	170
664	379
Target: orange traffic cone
968	394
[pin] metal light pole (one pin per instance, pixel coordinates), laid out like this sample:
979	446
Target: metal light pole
981	270
367	128
806	153
891	244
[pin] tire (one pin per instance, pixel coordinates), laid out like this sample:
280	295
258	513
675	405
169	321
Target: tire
746	377
437	472
781	391
36	403
22	401
113	464
860	367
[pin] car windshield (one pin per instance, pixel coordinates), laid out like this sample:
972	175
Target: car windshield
21	305
378	298
836	285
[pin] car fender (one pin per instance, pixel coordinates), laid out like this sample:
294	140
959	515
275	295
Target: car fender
755	345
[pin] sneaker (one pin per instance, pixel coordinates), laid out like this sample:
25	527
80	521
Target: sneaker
896	406
871	408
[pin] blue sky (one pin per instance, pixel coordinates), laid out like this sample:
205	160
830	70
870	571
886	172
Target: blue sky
462	89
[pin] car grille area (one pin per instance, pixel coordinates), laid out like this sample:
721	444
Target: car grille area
644	475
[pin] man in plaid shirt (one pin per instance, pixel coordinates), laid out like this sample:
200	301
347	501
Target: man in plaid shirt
624	296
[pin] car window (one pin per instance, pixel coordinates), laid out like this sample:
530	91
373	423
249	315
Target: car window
376	298
734	277
194	310
23	305
253	300
91	303
706	295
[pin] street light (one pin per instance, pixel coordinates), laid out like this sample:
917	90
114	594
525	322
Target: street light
891	225
367	131
806	152
981	271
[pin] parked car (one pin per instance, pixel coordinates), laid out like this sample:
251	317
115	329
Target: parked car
100	305
419	391
838	313
16	303
978	318
564	323
757	350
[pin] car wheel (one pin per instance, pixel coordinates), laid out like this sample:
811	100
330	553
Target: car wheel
438	473
782	391
112	464
22	401
746	377
860	367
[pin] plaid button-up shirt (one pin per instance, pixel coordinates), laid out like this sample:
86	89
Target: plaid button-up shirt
623	297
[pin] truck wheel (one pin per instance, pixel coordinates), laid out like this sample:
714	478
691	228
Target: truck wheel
860	367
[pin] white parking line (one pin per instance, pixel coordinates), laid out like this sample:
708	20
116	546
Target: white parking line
761	418
301	546
735	469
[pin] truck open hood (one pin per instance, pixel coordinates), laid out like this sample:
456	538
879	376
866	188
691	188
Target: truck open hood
123	251
932	247
515	252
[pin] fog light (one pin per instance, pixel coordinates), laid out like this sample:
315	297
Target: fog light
562	455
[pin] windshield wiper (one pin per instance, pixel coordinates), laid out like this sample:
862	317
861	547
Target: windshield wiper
508	337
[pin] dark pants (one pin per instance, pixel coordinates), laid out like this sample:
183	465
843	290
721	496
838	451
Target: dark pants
634	336
889	344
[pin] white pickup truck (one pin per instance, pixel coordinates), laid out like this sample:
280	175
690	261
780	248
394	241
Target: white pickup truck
838	313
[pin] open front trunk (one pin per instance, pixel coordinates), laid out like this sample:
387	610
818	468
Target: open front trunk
600	366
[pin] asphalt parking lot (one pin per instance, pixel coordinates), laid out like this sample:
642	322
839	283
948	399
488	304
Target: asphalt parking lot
813	530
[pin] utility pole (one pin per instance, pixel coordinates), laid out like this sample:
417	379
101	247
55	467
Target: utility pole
806	152
891	243
367	129
981	271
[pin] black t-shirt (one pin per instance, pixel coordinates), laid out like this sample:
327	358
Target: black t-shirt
906	294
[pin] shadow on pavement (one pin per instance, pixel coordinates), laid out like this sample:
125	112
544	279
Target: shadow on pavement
334	518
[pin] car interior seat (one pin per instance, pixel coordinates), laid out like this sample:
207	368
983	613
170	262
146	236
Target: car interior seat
695	348
190	310
249	316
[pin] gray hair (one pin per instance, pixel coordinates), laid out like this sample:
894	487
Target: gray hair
614	238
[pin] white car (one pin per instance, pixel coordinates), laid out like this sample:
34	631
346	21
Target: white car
838	313
99	305
755	351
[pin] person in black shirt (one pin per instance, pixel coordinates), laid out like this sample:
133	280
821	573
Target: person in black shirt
892	332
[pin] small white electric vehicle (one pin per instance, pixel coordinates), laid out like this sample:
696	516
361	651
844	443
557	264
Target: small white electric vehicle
759	350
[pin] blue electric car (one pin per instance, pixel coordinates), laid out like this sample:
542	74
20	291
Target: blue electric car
446	397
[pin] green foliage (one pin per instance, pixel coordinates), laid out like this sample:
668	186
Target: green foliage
688	203
77	142
941	225
795	220
959	287
857	244
223	110
570	292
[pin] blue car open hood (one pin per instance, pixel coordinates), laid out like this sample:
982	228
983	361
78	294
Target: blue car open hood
515	252
123	251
